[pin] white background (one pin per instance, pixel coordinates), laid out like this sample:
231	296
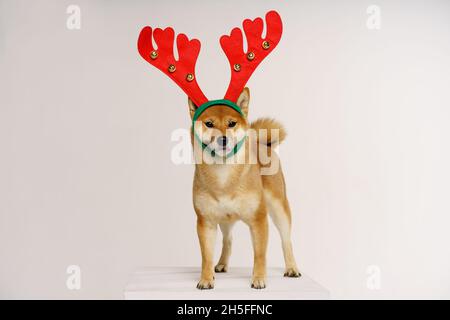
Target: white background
86	176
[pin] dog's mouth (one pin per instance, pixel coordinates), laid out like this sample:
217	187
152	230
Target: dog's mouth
219	148
224	149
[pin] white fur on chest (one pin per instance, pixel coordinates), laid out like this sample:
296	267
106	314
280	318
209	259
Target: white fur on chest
222	174
223	207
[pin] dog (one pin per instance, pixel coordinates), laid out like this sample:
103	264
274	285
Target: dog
227	191
224	193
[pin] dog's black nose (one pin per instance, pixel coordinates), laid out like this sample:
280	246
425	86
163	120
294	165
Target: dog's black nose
222	141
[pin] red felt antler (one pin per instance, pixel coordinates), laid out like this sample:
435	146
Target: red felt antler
244	63
182	71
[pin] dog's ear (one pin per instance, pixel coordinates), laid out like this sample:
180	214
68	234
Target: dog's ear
244	100
192	107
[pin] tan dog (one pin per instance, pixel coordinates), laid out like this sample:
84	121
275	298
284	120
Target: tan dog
244	189
224	193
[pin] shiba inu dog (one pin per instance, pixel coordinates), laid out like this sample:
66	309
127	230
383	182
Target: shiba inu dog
234	171
224	193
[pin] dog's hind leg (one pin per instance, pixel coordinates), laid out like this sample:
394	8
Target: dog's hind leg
281	216
222	265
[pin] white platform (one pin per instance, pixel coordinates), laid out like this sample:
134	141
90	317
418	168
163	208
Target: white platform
180	284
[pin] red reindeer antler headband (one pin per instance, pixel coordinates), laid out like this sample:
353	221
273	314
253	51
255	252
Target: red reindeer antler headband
242	64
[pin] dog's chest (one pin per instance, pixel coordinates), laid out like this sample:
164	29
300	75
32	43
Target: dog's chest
227	196
226	207
223	175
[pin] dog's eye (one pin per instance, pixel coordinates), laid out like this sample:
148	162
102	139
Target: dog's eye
231	124
209	124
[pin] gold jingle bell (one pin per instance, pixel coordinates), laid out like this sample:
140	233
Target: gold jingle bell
266	45
154	54
250	56
189	77
172	68
237	67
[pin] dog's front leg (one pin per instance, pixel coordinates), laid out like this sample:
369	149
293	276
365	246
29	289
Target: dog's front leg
206	231
259	231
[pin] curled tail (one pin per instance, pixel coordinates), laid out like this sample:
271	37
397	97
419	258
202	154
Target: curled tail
269	132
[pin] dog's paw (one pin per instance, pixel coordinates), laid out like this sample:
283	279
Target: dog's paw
221	268
258	283
292	273
205	284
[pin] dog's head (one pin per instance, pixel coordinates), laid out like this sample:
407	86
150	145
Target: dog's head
221	127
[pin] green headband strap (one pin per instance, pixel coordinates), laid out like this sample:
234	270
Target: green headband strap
211	103
205	106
